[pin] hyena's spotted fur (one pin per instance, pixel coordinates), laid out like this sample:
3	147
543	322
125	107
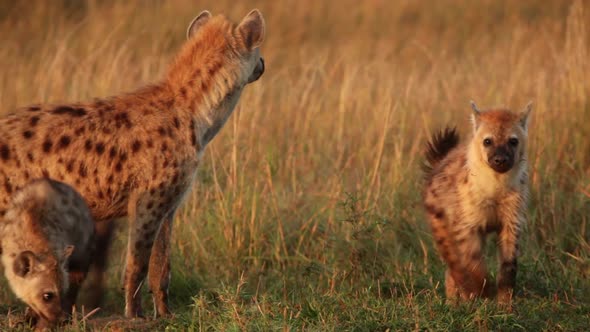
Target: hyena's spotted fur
47	239
136	154
475	189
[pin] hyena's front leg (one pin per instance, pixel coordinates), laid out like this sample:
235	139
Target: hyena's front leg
476	282
143	226
159	268
508	249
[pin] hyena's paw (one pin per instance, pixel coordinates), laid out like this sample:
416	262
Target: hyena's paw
504	300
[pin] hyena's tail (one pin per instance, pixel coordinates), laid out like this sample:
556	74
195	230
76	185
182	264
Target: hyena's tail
438	147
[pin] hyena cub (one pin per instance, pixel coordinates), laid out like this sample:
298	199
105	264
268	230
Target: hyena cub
47	245
473	190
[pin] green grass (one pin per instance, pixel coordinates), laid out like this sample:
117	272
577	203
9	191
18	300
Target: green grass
307	213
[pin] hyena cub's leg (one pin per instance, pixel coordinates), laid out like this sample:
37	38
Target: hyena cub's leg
476	282
159	267
508	248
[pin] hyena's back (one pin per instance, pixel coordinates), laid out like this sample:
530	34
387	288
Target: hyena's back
88	146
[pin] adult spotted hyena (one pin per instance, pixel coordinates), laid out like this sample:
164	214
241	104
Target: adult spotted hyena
475	189
47	239
135	155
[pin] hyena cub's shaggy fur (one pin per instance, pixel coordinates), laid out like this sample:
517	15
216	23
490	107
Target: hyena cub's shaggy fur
475	189
47	243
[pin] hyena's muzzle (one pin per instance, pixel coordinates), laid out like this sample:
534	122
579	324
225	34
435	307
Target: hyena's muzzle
501	159
258	71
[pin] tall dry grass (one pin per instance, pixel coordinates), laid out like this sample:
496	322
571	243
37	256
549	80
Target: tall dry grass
315	179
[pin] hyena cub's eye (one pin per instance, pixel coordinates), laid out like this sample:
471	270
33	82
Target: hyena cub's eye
47	297
513	141
487	142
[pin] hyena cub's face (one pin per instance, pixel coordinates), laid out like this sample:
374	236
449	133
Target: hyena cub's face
500	137
240	45
40	281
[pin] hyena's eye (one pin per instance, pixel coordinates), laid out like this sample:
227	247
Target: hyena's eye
47	297
513	141
487	142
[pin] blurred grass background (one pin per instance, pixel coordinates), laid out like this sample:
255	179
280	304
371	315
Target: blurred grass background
307	214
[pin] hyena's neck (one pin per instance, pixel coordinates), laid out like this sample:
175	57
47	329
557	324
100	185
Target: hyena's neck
208	91
487	183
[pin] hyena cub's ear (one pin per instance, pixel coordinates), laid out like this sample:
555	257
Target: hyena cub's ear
475	115
197	22
252	29
524	115
24	263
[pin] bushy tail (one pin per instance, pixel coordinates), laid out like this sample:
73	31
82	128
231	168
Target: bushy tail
439	146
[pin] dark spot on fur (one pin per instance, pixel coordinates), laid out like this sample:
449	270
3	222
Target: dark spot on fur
152	191
110	179
82	170
112	152
106	130
26	175
34	120
161	131
8	187
30	156
183	92
136	146
80	131
176	123
435	211
164	147
99	148
150	143
150	205
4	152
27	134
34	109
70	166
45	173
64	141
118	167
75	112
214	68
88	145
47	145
122	119
123	157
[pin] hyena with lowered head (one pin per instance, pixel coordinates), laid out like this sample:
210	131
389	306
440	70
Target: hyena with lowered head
47	239
473	190
135	155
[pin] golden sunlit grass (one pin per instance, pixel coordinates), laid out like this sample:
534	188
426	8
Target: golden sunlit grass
307	212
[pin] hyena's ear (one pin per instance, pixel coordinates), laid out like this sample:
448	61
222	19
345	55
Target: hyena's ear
475	115
524	115
69	249
197	22
252	29
24	263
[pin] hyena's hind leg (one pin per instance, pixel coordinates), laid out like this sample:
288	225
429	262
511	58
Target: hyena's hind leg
446	250
95	286
159	267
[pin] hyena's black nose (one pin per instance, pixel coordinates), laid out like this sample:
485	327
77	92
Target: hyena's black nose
500	160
